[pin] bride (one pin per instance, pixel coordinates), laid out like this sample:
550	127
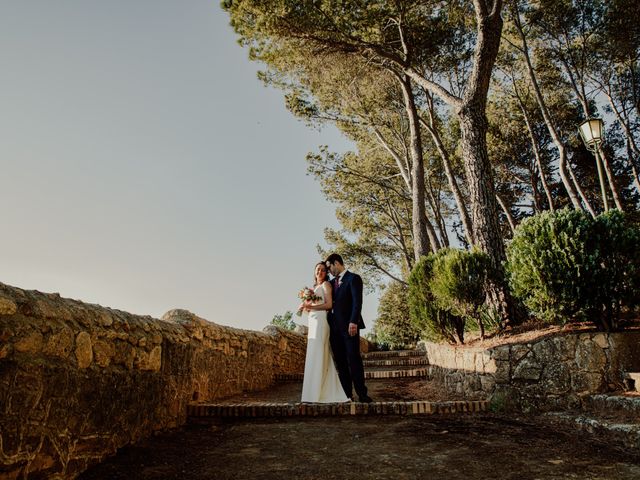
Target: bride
321	383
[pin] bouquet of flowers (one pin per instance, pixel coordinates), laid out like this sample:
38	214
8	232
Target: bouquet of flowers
307	294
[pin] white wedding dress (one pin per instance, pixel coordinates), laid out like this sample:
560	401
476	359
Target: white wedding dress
321	383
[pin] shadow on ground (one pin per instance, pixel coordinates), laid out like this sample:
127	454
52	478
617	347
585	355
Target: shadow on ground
440	447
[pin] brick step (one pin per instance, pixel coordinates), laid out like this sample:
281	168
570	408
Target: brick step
200	412
393	354
632	381
400	361
369	373
395	373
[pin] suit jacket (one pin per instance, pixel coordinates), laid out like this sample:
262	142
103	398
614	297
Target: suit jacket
347	302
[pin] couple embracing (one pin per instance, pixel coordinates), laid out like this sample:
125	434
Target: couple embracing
335	320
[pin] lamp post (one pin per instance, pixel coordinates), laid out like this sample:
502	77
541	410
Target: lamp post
592	133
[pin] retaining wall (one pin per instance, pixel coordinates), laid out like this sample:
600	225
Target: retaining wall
551	373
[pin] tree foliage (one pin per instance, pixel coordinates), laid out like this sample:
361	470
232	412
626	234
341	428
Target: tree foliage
284	321
463	118
433	322
393	328
567	266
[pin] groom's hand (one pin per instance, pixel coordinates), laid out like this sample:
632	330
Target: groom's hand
353	329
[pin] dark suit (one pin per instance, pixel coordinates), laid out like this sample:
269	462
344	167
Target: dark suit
347	308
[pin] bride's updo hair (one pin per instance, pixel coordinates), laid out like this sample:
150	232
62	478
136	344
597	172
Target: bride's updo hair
326	273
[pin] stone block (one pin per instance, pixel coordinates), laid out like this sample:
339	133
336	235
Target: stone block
469	361
103	352
6	350
479	362
487	383
589	356
100	409
518	352
124	355
545	351
556	378
155	358
565	346
490	365
60	344
503	372
528	369
30	343
585	382
7	306
601	340
500	353
83	351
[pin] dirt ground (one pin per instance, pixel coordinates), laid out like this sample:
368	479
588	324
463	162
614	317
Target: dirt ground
426	447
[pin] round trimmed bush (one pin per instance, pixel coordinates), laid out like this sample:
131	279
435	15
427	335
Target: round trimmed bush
434	322
567	266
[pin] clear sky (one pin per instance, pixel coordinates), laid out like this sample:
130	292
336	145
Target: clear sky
145	167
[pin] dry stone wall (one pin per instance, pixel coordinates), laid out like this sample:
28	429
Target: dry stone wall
79	381
552	373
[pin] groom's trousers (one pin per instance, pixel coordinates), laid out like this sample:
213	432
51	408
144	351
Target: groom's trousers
346	353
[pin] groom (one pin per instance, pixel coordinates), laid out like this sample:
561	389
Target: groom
345	322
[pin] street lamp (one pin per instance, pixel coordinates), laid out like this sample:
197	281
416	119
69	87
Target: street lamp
592	133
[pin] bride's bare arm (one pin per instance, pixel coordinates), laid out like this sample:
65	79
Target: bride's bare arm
328	300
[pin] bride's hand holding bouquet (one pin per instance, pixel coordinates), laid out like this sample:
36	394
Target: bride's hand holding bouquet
307	295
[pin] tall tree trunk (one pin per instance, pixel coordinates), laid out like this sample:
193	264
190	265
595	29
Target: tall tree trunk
471	110
433	203
507	212
562	162
631	154
484	210
579	90
632	147
611	179
451	179
479	174
536	150
424	237
576	184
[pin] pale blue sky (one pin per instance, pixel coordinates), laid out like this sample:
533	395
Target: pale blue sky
144	166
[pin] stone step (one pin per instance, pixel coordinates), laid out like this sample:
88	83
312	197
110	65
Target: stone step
627	432
201	412
400	361
393	354
622	405
632	381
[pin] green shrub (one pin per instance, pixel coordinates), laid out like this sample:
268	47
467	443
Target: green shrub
458	280
435	323
617	284
567	266
547	263
284	321
458	285
393	328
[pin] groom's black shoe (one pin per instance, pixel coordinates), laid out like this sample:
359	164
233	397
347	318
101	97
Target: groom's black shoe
365	399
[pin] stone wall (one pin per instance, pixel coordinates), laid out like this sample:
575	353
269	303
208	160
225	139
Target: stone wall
551	373
79	381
